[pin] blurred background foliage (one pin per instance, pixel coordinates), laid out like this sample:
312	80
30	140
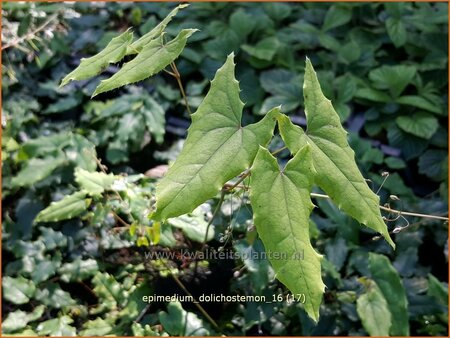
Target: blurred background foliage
384	66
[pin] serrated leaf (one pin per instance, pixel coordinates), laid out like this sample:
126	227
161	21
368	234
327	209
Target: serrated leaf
18	290
52	295
137	45
78	270
420	124
374	312
19	319
390	284
178	322
94	183
337	172
57	327
69	207
36	170
108	290
217	148
97	327
154	57
113	52
281	206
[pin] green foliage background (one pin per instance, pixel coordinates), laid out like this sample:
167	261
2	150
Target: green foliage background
384	66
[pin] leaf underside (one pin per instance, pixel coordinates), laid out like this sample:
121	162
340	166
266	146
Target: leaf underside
154	57
113	52
217	148
337	172
281	207
69	207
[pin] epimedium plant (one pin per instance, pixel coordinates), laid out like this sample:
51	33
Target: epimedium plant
218	149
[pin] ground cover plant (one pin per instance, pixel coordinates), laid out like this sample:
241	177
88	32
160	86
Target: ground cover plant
87	149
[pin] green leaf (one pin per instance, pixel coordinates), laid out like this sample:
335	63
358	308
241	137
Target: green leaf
63	105
242	23
217	148
193	225
432	162
94	183
36	170
281	206
336	16
114	52
156	32
373	95
178	322
46	268
396	31
52	295
52	239
81	152
57	327
18	290
108	290
393	78
374	312
437	290
78	270
153	58
419	102
69	207
420	124
390	284
264	49
19	319
337	172
97	327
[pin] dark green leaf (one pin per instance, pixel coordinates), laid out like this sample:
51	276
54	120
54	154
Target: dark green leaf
397	31
336	16
420	124
391	286
374	311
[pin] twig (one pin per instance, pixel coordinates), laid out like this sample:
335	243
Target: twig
196	303
222	196
29	35
398	212
177	76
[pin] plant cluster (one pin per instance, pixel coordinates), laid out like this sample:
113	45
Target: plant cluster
51	153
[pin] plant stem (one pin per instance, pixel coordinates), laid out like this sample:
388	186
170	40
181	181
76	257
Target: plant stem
181	285
177	76
222	196
31	34
275	152
398	212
